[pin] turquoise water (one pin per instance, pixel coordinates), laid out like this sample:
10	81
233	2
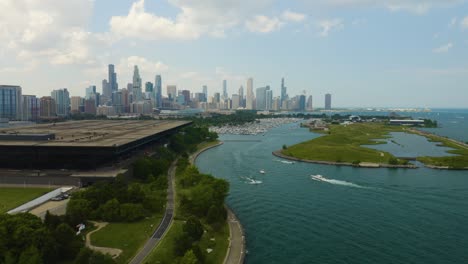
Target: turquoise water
356	216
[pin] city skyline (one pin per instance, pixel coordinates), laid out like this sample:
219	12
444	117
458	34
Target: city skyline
410	54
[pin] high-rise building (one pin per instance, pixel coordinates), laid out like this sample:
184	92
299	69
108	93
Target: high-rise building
30	105
276	103
137	94
249	99
269	100
217	98
205	91
302	103
235	101
172	92
186	94
149	87
62	101
10	102
76	103
328	101
48	108
225	94
112	78
125	100
309	103
158	88
261	98
106	89
241	96
90	106
90	91
284	94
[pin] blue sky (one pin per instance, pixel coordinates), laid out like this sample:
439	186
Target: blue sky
368	53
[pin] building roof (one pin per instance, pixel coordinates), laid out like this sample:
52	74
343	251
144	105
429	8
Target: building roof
92	133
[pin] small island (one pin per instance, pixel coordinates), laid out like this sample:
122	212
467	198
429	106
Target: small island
344	144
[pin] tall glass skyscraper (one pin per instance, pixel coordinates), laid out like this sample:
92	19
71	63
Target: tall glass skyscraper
158	90
112	79
62	101
328	101
10	102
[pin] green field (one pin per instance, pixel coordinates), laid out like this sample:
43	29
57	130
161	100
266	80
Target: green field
217	241
12	197
344	144
452	162
129	237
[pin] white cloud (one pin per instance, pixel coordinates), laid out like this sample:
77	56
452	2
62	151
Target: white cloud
464	23
412	6
327	26
293	16
263	24
196	18
444	48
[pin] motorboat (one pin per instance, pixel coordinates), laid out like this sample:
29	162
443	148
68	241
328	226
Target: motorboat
262	171
318	177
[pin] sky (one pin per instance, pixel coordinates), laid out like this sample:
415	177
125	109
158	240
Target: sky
366	53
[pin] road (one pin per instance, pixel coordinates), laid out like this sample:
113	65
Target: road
165	223
236	250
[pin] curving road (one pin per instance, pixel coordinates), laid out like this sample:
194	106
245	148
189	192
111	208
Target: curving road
165	223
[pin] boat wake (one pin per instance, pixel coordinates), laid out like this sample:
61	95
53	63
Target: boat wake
251	181
336	182
285	161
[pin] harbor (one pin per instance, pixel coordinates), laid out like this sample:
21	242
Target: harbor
260	126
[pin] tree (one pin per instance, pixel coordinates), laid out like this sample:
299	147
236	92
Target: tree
393	161
78	210
131	212
184	242
110	211
189	258
30	256
193	228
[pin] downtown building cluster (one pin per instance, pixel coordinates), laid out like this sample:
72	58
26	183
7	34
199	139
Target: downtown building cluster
137	98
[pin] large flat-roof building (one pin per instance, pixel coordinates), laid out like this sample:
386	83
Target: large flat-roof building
79	144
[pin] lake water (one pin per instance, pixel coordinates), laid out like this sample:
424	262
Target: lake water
357	216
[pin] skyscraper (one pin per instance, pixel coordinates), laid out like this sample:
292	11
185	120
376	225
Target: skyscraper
205	91
261	98
90	91
106	89
268	99
137	95
172	92
249	99
158	88
284	95
328	101
309	103
62	101
225	94
30	105
10	102
48	108
241	96
302	103
112	79
149	87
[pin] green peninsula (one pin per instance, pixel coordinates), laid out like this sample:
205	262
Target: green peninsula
345	145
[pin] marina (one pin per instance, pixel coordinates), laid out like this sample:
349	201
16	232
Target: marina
261	126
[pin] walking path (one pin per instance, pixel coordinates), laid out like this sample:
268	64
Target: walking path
166	221
114	252
236	250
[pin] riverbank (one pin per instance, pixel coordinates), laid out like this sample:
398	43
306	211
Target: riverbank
279	154
236	249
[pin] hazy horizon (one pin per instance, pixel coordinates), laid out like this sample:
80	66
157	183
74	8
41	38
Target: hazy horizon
393	53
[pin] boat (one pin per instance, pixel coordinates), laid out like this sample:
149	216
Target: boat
318	177
262	171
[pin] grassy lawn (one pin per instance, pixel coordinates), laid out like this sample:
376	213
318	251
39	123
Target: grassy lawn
164	252
215	240
344	144
129	237
12	197
453	162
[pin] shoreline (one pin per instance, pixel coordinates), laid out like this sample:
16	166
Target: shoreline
361	165
236	231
